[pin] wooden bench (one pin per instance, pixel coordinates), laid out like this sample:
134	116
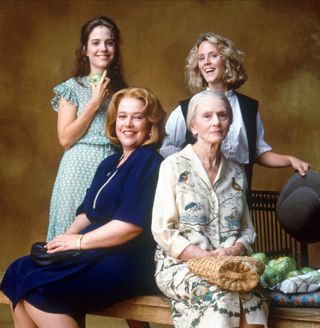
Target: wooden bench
156	309
271	239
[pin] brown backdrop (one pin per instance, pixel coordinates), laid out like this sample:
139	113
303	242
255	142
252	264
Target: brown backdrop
281	40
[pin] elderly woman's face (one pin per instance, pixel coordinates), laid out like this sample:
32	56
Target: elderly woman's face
211	122
132	127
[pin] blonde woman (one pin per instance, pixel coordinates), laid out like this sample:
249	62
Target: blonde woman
215	63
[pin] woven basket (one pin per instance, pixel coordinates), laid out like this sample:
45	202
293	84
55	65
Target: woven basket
234	273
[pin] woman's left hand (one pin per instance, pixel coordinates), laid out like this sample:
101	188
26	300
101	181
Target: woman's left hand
299	165
222	251
238	249
63	242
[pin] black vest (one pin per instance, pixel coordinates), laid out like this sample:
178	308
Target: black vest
249	110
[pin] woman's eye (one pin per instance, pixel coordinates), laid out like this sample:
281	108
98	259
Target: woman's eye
121	117
110	43
223	116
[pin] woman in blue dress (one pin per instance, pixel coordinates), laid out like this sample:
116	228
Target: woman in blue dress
112	227
81	103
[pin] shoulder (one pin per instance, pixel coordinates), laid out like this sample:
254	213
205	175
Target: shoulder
72	83
184	107
69	82
244	98
184	102
145	159
148	153
110	160
179	159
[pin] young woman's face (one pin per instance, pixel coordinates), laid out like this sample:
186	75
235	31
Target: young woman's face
132	127
211	122
210	64
100	49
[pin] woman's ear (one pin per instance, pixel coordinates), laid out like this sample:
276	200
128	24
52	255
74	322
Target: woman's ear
193	130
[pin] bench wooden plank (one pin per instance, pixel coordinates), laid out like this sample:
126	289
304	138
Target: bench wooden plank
146	308
4	299
295	314
153	309
156	309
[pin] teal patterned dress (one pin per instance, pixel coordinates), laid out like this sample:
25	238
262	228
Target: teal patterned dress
79	162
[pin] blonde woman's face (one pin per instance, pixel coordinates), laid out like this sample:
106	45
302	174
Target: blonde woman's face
211	65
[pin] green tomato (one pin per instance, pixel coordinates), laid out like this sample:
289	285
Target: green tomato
261	257
270	277
292	273
283	264
306	270
94	79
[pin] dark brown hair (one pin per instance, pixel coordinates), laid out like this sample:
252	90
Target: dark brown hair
82	67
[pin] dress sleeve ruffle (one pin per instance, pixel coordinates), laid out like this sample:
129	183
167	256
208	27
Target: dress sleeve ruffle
65	91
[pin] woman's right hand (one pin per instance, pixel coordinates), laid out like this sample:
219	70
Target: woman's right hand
101	90
193	251
72	127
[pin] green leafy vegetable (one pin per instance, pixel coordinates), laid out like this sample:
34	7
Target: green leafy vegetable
261	257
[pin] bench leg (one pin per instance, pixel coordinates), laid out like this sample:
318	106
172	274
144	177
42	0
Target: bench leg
137	324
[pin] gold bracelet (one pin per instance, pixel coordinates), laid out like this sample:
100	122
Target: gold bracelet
79	242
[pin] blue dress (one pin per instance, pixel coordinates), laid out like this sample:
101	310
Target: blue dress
79	162
99	278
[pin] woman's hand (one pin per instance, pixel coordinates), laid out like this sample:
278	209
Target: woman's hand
100	91
63	242
299	165
237	249
193	251
271	159
71	127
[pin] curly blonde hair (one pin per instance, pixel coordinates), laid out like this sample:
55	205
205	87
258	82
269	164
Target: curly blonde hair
153	112
235	74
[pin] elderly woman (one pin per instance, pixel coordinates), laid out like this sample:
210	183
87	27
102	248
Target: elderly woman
200	210
112	227
215	63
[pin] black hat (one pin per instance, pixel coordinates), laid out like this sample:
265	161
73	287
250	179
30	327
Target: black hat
298	207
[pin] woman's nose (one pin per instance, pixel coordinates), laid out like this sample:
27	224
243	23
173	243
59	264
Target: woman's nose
103	46
215	120
128	121
207	60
